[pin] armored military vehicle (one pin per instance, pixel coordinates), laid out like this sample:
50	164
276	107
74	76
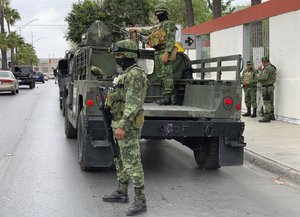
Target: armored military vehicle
205	115
63	77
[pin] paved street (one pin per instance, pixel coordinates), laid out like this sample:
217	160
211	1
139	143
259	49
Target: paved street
40	176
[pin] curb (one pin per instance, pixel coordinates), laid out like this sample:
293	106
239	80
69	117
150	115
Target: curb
272	166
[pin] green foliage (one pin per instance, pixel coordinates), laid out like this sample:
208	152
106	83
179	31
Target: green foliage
177	11
27	55
83	14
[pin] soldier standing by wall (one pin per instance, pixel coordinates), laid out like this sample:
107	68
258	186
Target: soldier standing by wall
162	39
126	105
267	79
249	82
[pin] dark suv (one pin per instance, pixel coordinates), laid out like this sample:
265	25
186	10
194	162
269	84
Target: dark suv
24	74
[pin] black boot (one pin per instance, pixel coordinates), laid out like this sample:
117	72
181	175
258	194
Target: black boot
248	113
265	119
120	195
139	204
272	117
164	101
254	113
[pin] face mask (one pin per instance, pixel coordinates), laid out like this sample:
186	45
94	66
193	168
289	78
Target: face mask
162	16
125	62
120	61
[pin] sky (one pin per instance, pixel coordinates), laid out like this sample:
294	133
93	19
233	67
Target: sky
42	23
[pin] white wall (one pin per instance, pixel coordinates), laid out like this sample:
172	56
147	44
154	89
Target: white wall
285	55
226	42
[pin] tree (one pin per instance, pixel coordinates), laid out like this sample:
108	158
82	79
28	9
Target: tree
255	2
27	55
200	10
3	4
83	14
11	16
189	12
14	41
219	7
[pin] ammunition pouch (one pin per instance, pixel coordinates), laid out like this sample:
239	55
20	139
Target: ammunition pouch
172	55
265	93
139	120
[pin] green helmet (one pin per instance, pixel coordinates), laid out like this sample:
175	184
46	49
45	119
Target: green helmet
161	7
126	47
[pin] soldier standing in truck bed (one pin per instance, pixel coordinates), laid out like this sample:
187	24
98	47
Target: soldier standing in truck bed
162	38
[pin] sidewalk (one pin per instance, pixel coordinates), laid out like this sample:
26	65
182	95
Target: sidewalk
273	146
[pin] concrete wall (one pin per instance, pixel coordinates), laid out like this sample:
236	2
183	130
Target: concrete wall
285	55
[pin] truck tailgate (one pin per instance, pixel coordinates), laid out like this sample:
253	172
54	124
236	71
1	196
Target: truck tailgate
155	110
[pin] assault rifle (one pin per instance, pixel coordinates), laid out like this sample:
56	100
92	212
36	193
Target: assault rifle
107	120
142	38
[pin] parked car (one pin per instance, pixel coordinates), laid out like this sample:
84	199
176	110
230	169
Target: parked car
46	77
38	77
8	82
24	75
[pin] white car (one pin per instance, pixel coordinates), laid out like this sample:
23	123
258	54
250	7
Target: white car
8	82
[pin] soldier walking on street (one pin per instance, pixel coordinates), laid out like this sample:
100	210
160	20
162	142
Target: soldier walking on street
249	82
267	79
126	104
162	38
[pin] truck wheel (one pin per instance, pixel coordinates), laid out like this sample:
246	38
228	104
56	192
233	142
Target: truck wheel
209	158
81	140
31	85
70	131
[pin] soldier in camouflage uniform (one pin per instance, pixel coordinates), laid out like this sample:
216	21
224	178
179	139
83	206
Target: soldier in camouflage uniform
126	104
162	38
249	82
267	79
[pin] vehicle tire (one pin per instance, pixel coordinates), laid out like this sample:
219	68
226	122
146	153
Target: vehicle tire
13	92
208	158
82	142
43	81
17	91
31	85
70	131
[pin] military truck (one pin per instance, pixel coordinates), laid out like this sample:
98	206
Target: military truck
63	78
205	114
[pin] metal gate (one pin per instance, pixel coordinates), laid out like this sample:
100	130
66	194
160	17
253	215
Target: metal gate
259	40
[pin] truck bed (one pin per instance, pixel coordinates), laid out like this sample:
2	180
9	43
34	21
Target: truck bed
155	110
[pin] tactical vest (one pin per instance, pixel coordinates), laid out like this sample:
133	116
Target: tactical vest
117	95
271	76
157	37
248	76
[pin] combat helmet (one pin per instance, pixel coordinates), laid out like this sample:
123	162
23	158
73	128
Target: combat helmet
161	7
127	47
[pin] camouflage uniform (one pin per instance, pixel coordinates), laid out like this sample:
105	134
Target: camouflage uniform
267	79
127	110
250	90
126	101
161	45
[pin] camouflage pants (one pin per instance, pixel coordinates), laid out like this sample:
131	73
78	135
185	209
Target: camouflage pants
268	98
128	164
250	97
164	73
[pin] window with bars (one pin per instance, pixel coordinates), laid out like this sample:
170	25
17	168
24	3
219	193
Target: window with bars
259	40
